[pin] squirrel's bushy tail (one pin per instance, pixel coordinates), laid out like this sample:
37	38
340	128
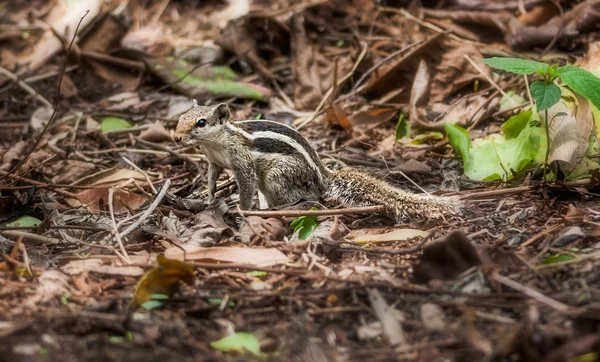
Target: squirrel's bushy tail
351	187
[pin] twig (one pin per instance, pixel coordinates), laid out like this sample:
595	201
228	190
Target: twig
294	213
489	79
55	105
30	236
57	227
159	197
532	293
123	253
25	87
128	161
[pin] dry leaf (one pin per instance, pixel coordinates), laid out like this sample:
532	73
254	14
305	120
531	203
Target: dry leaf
396	235
97	199
111	176
51	283
569	133
336	115
76	267
254	256
156	133
165	278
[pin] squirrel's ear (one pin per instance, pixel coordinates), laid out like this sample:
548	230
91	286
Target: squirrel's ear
222	113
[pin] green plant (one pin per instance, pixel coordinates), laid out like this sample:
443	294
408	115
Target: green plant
545	92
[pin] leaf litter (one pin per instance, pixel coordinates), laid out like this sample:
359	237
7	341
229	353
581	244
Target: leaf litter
387	88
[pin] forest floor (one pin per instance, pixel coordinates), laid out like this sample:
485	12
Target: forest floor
93	187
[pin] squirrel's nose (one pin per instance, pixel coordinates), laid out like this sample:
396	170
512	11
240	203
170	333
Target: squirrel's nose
177	138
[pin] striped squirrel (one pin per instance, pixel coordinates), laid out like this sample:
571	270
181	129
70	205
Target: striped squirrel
287	169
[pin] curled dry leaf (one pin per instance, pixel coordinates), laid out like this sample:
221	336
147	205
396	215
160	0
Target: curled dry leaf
569	132
336	116
12	155
97	199
156	133
209	226
165	278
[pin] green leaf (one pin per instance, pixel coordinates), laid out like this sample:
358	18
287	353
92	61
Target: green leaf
402	128
459	140
558	258
516	65
515	124
152	304
582	82
495	157
544	95
426	137
113	123
159	296
257	274
238	342
29	221
305	225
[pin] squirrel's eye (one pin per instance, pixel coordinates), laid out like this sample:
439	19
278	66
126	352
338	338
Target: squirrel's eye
201	122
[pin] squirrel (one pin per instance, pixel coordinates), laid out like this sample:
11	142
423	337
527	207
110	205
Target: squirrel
287	169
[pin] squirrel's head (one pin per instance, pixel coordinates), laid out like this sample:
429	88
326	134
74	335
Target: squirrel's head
201	123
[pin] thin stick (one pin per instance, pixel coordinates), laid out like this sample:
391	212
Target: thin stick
294	213
55	105
489	79
30	236
26	87
142	171
532	293
123	254
159	197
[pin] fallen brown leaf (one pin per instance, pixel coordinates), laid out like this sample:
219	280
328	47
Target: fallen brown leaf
165	278
222	254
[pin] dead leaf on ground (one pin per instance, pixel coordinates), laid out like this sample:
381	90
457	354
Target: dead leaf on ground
313	72
569	133
165	278
336	116
111	176
389	318
268	229
221	254
97	200
68	171
109	267
51	284
209	227
580	19
12	155
396	235
63	18
156	133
